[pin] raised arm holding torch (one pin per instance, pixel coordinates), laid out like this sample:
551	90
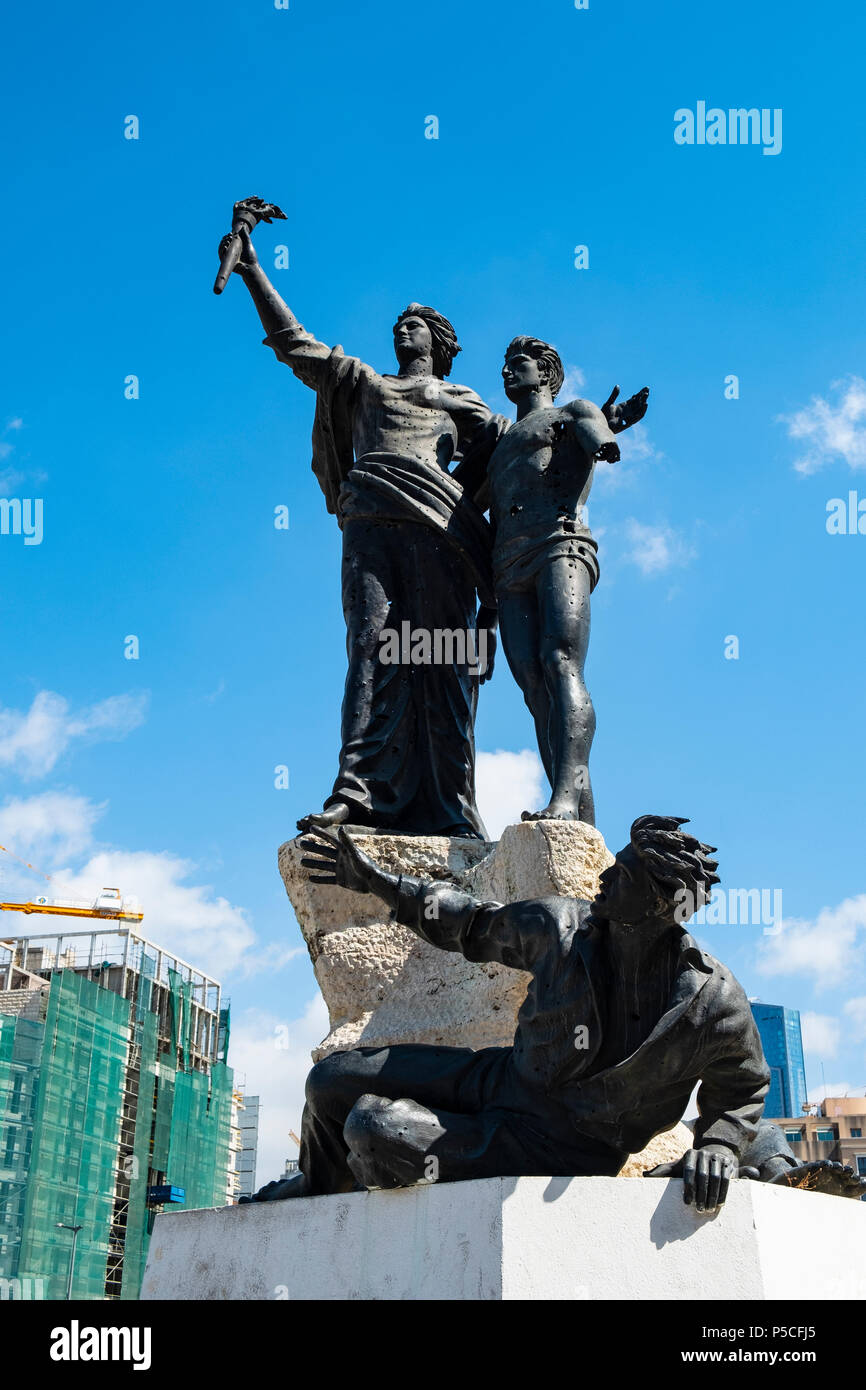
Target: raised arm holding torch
247	214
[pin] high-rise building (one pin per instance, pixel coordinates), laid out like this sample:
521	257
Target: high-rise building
248	1121
113	1083
782	1042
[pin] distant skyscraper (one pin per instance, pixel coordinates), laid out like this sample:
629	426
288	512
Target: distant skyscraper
248	1123
783	1048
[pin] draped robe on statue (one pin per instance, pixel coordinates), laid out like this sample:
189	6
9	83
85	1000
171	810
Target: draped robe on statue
416	549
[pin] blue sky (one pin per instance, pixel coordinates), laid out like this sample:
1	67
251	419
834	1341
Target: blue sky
555	130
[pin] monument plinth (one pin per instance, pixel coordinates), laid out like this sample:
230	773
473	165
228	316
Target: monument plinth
502	1239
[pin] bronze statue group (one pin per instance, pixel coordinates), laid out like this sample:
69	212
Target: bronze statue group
624	1015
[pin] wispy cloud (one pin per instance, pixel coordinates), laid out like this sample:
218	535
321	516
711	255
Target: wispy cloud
32	741
836	1089
54	831
271	1057
655	549
821	1035
636	448
574	380
828	950
6	449
506	784
9	479
855	1010
187	917
215	694
831	429
49	829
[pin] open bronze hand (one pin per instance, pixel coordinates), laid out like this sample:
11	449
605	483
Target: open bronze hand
620	417
333	857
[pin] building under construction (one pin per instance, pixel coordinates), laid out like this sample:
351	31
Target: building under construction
113	1083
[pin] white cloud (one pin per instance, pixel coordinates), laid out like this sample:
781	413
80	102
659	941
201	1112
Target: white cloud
635	447
54	832
49	829
277	1073
656	548
855	1010
8	480
574	379
635	444
831	430
834	1089
31	742
187	918
821	1035
216	693
827	950
507	784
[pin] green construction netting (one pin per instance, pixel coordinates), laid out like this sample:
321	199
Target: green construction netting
137	1223
76	1133
64	1144
198	1156
20	1055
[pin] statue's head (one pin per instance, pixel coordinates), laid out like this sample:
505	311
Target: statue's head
661	868
420	331
529	364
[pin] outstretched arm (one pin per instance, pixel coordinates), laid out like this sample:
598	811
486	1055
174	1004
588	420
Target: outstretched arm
289	339
515	935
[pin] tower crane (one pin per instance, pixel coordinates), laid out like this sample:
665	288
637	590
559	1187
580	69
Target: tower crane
109	905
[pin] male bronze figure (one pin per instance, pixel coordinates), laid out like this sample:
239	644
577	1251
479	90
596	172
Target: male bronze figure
545	560
624	1016
416	552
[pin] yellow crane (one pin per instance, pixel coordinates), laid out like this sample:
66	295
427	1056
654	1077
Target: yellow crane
108	906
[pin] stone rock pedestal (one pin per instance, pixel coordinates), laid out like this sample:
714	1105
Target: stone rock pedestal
383	985
516	1238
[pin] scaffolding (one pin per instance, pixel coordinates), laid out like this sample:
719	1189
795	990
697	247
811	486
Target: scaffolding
112	1050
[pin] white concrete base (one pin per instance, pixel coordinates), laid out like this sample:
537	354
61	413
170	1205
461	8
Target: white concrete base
516	1238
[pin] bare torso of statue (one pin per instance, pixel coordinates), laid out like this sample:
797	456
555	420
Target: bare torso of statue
408	416
541	474
545	560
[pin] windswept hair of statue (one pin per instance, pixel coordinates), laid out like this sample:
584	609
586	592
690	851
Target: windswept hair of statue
445	344
680	864
543	353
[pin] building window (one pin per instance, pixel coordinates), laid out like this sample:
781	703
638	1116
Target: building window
793	1136
861	1165
856	1134
10	1148
825	1136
